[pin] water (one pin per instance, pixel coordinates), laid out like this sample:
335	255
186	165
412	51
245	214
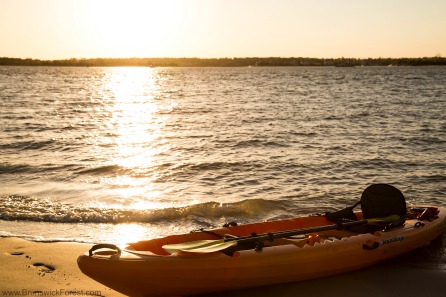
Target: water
121	154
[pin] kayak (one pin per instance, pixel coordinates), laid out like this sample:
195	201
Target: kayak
258	254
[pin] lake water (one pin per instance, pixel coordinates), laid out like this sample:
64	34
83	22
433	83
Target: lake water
120	154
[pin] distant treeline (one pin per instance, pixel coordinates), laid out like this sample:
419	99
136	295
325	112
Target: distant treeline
225	62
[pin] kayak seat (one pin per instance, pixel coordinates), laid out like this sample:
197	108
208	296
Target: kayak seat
382	200
377	201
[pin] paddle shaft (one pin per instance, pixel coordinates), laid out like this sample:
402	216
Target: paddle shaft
275	235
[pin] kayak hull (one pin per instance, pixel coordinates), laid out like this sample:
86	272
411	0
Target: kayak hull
145	269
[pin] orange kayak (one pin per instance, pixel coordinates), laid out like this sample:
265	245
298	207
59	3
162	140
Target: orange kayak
204	262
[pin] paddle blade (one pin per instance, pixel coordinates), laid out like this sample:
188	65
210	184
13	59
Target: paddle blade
216	247
186	246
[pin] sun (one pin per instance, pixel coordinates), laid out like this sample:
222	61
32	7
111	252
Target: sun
131	28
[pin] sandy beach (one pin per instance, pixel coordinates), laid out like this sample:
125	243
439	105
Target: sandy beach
38	268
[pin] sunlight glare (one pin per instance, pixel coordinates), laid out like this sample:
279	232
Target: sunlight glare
127	233
134	121
133	117
131	28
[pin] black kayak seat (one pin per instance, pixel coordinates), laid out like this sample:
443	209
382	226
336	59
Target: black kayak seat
382	200
377	201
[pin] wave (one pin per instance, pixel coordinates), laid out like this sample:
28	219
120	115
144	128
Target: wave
7	168
217	165
15	168
259	143
24	208
102	170
27	145
180	170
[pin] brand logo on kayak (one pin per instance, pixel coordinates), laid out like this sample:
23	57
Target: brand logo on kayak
393	240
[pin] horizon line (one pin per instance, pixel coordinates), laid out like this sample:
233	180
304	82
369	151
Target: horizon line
235	57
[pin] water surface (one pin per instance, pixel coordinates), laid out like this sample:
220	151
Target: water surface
119	154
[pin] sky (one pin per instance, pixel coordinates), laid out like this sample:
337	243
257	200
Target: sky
64	29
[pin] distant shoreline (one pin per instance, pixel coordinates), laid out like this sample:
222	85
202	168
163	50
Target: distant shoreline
225	62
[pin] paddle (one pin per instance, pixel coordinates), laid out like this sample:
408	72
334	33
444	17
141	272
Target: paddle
210	246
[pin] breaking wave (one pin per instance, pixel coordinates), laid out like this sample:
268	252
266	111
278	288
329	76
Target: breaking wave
23	208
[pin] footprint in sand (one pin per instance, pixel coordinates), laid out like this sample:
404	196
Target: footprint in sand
45	268
19	254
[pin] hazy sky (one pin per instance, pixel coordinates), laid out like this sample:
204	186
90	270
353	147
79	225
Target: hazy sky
62	29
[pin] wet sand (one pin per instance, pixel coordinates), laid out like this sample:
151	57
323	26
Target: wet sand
39	269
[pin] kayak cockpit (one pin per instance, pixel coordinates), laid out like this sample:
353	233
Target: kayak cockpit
157	246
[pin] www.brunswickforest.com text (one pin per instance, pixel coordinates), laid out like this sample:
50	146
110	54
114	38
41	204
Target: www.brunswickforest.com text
58	292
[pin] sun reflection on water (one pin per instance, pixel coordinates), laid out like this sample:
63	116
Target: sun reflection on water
137	129
127	233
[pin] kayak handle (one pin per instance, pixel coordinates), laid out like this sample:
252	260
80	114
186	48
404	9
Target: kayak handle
104	246
370	246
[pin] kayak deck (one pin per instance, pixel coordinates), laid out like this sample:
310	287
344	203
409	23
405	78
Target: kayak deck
155	246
